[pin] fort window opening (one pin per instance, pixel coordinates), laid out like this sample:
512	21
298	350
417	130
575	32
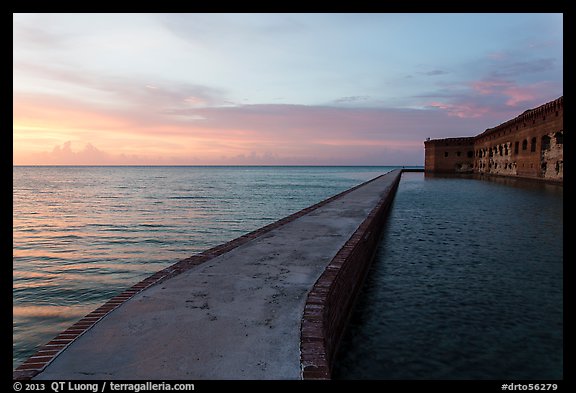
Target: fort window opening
528	145
546	142
559	137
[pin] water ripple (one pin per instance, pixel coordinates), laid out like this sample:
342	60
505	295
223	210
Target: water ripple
467	284
83	234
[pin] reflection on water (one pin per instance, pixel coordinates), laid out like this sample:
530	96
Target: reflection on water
467	284
83	234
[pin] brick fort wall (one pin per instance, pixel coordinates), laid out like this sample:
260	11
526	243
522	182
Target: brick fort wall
529	146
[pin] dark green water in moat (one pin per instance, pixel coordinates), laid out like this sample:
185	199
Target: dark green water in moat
467	284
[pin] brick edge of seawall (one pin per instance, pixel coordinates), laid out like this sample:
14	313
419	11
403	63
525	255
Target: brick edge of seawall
330	302
36	363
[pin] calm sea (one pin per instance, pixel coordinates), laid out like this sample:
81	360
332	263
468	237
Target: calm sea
467	284
83	234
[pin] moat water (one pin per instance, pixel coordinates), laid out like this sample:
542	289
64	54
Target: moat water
467	284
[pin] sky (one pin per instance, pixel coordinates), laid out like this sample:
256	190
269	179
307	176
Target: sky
271	89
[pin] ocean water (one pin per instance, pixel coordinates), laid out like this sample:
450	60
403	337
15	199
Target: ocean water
81	235
467	284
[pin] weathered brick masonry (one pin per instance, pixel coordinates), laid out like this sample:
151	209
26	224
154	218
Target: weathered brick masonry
337	303
330	301
528	146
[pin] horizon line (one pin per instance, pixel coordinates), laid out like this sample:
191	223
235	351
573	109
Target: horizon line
209	165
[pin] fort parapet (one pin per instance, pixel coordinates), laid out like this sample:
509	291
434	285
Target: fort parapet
528	146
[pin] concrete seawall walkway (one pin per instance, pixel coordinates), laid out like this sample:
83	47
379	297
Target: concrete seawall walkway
236	315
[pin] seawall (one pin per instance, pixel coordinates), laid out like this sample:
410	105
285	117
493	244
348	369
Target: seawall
330	302
271	304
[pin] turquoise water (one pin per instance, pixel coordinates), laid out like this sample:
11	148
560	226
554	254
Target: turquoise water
467	284
83	234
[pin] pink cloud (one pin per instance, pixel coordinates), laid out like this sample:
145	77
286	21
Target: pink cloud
463	110
88	155
69	153
518	95
493	98
485	87
248	134
135	92
257	134
513	94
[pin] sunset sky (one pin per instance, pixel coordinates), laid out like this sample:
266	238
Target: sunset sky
271	89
